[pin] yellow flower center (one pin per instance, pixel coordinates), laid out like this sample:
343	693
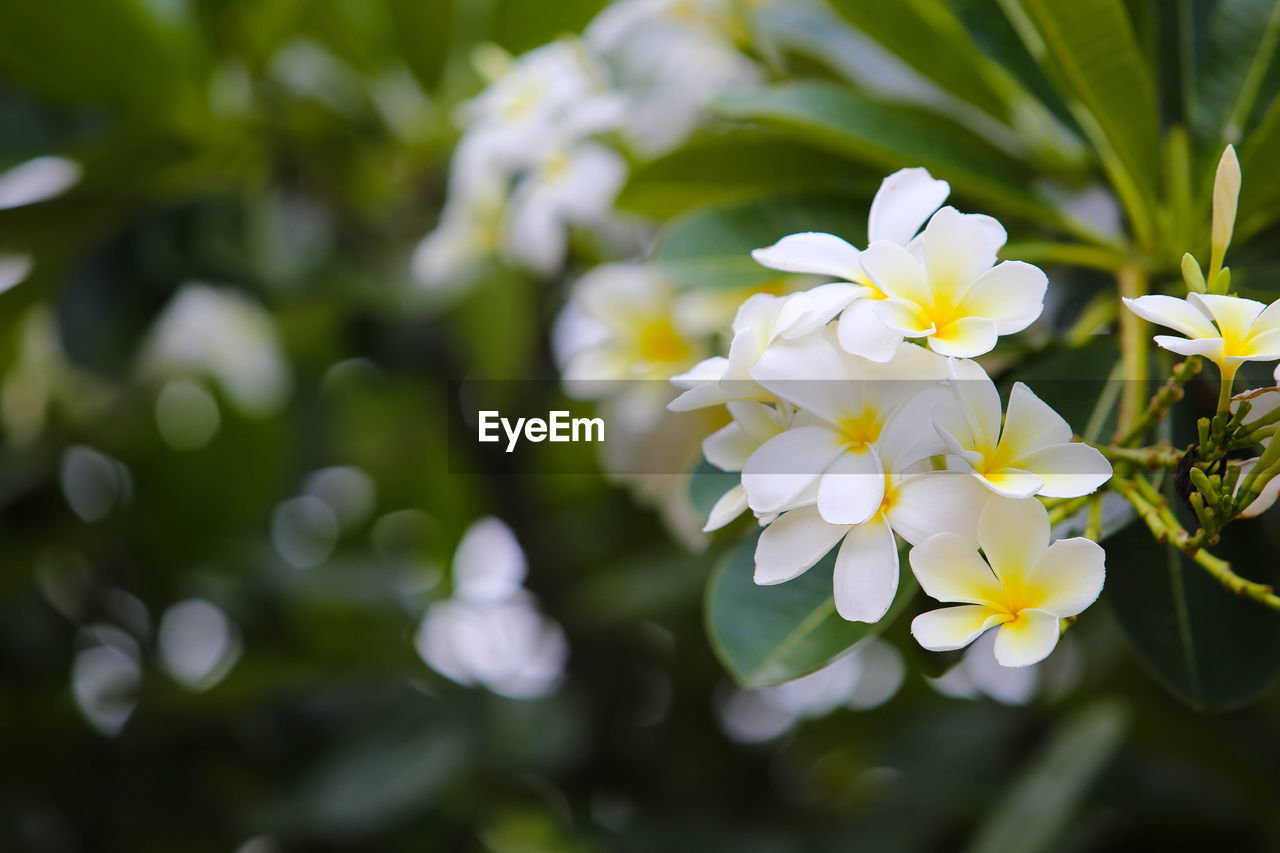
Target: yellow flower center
523	101
658	341
861	430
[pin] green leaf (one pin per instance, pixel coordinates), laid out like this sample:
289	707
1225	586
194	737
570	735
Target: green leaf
890	137
1211	648
707	484
1241	43
711	247
1036	810
1088	47
736	168
766	635
926	35
1260	169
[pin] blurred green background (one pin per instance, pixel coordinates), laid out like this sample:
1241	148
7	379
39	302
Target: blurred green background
274	162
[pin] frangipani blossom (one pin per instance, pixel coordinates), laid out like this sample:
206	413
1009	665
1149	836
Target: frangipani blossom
913	505
762	320
832	452
571	186
905	200
729	448
955	295
1227	330
1031	454
1025	586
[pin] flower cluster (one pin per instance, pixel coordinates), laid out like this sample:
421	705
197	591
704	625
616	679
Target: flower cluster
860	419
546	144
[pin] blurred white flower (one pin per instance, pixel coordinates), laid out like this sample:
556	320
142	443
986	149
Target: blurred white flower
671	57
575	185
978	673
223	333
198	643
1023	587
13	270
37	180
490	631
865	678
106	674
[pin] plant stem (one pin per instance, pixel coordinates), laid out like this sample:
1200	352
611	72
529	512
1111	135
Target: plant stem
1151	458
1132	279
1168	394
1166	529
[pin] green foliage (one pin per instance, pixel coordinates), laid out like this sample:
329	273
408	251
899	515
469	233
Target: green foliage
768	635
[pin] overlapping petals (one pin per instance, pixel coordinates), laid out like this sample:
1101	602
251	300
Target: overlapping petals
1227	330
1023	587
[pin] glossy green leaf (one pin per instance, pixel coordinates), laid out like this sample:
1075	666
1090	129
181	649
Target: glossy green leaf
707	484
1242	36
1036	810
1089	49
1209	646
711	247
890	137
770	634
737	167
926	35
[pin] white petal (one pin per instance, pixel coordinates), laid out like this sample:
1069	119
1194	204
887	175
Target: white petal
793	543
1210	348
489	564
1264	347
811	373
1028	639
1233	314
702	384
861	332
1069	577
852	488
953	627
904	318
904	201
1030	424
1265	498
936	502
1177	314
967	337
1011	482
731	504
950	569
729	447
957	249
785	465
708	370
1068	470
866	575
1013	534
812	252
908	436
1011	293
1268	320
979	407
818	307
899	275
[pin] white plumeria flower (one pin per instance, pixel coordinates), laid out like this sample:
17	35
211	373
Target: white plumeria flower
1227	330
490	632
1031	454
1262	402
729	448
955	295
831	452
1025	586
670	58
623	321
905	200
470	229
761	320
575	186
912	505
